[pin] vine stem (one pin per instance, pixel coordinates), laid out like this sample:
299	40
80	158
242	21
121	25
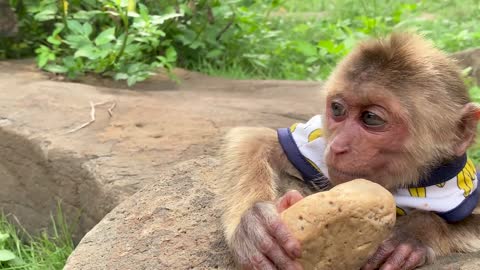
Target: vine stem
124	17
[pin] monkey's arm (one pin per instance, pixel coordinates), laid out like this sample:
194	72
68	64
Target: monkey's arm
252	161
421	236
444	238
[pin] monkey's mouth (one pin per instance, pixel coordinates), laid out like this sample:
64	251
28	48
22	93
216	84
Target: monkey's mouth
343	176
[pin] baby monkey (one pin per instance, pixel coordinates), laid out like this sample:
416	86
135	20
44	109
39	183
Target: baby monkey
396	112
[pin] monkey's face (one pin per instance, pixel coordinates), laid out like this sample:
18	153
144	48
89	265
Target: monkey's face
366	134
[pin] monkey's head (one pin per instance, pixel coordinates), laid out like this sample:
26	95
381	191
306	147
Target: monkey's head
395	108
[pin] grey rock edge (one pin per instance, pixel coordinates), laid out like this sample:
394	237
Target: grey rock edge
94	169
171	224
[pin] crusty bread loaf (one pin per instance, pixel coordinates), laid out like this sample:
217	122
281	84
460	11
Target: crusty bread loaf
340	228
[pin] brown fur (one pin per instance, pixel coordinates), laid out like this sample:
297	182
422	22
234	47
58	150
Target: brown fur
252	162
427	83
433	103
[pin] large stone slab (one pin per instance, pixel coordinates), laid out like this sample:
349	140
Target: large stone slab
153	126
171	224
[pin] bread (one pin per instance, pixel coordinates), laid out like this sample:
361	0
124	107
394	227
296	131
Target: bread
340	228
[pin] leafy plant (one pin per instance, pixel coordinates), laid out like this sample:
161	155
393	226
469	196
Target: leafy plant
283	39
110	39
7	257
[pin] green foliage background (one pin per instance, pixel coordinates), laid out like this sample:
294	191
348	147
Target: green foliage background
128	39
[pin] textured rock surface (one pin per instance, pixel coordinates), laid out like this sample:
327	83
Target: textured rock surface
340	228
171	224
154	126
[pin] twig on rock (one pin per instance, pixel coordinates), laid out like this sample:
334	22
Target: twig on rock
92	119
110	110
92	114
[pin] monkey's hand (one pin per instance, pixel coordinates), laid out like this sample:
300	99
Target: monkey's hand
263	241
402	250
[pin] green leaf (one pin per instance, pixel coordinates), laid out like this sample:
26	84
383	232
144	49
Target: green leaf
171	54
197	44
311	60
144	12
6	255
54	40
306	48
120	76
16	262
131	80
3	237
44	54
47	13
56	68
157	20
89	52
214	53
85	15
77	41
122	3
75	26
58	28
106	36
87	29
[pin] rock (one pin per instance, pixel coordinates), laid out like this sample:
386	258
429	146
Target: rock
470	58
153	126
340	228
171	224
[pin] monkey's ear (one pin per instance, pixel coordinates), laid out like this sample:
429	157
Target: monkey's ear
468	127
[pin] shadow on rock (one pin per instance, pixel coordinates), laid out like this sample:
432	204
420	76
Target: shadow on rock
33	180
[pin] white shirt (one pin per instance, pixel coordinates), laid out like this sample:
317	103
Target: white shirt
451	190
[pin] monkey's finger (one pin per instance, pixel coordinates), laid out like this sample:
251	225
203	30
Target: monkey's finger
260	262
289	199
417	258
398	258
382	253
285	238
277	255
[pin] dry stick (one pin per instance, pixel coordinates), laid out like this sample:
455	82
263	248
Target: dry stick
110	110
92	114
92	119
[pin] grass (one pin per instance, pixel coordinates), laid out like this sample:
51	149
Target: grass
47	251
303	40
306	39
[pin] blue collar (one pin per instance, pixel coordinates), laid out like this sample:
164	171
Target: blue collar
443	172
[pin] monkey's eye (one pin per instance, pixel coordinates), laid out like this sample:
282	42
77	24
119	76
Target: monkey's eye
371	119
338	109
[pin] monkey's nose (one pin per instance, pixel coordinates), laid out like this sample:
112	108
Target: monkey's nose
339	149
